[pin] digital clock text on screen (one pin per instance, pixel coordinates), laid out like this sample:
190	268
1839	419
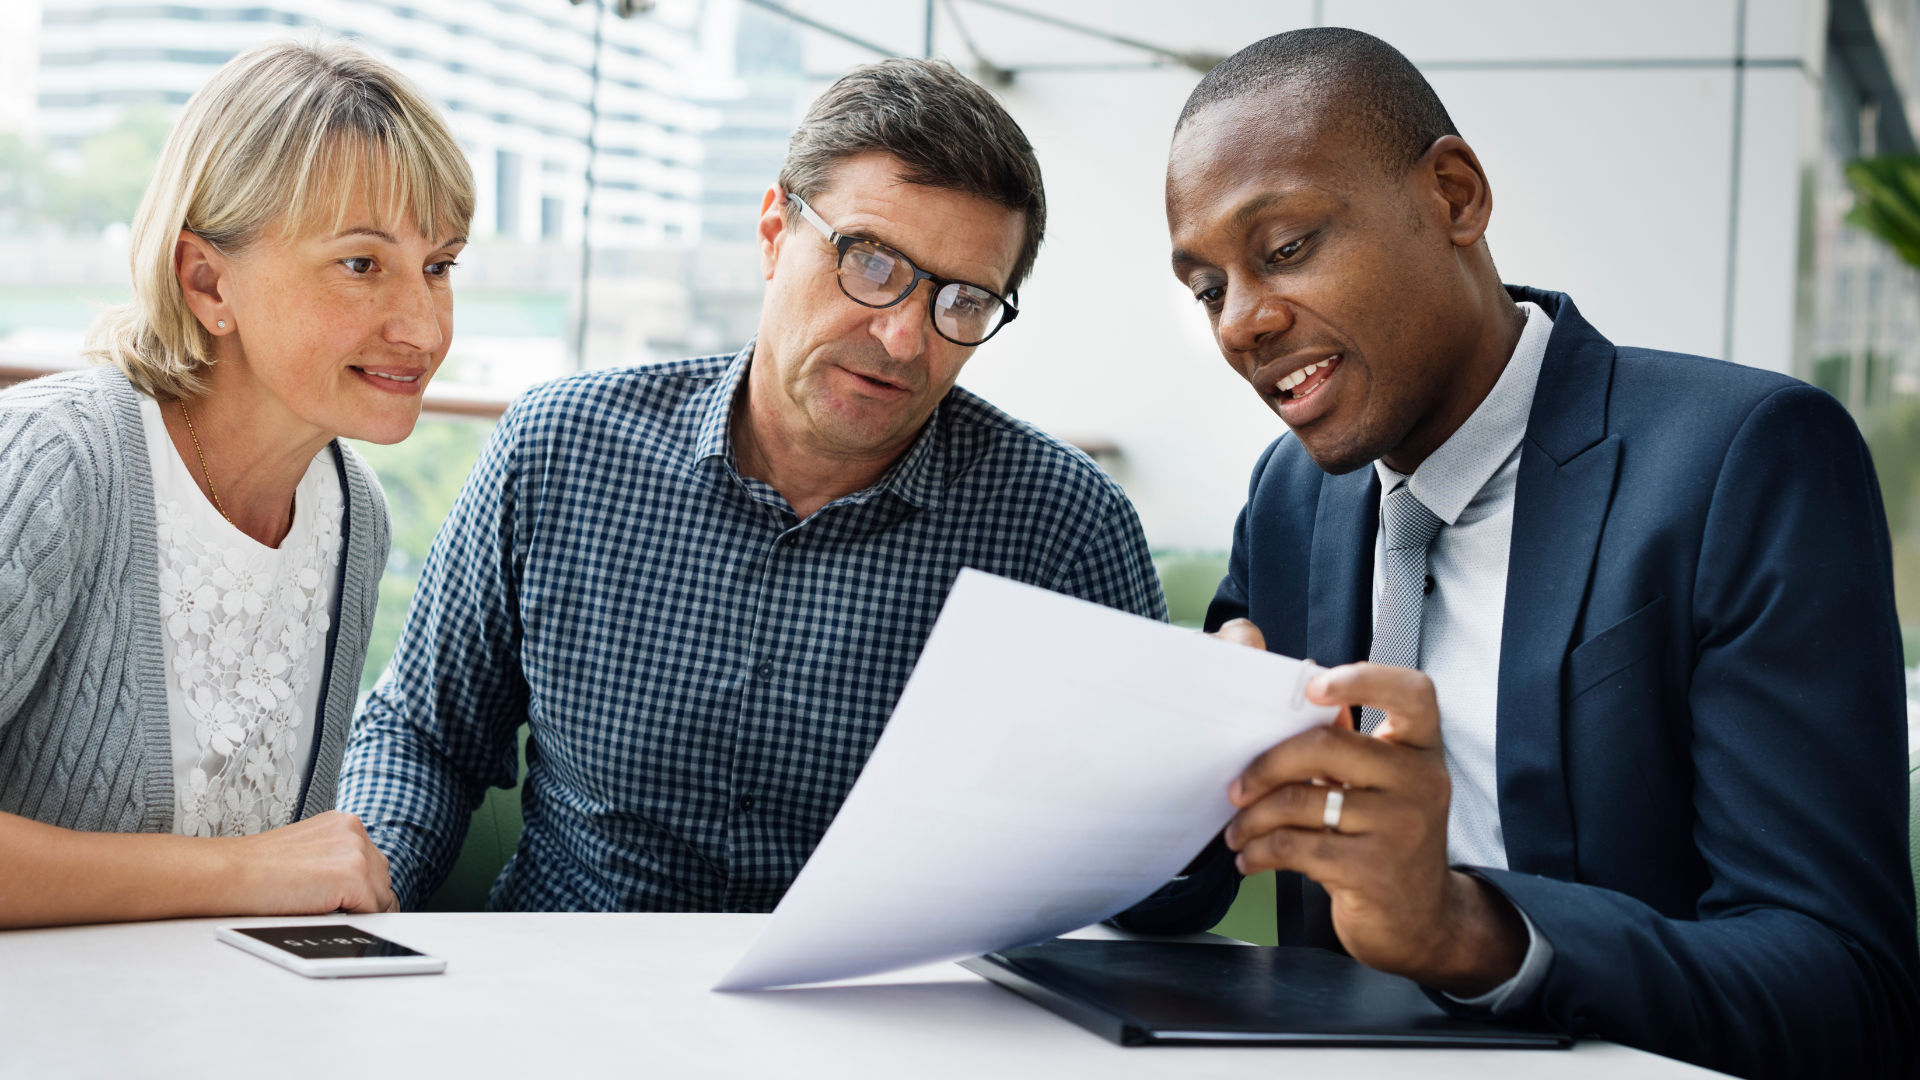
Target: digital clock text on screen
338	942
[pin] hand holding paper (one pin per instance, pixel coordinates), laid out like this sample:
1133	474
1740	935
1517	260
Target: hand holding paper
1397	904
1050	764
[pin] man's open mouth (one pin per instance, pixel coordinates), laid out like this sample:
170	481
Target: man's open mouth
1302	382
875	382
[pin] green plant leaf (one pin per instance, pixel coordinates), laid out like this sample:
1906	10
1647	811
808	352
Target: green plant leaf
1886	201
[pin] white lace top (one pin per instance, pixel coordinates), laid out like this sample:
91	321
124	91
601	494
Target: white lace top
245	634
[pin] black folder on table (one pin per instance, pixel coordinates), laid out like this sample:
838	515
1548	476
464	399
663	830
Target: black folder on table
1142	993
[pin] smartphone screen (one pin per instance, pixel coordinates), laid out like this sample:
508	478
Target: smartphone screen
340	942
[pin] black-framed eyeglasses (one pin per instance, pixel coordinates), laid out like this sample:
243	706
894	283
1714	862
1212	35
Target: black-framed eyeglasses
874	275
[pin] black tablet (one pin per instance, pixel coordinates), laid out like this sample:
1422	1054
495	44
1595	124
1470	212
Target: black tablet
1143	993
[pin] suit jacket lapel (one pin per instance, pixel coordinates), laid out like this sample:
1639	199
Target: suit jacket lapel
1340	568
1567	467
1339	630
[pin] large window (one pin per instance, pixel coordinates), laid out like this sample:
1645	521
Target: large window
697	100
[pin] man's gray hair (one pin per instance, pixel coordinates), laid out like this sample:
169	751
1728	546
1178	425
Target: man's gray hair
946	130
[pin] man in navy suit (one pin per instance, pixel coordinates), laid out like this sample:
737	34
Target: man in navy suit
1628	759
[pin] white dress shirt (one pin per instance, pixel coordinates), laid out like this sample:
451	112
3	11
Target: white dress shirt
1468	483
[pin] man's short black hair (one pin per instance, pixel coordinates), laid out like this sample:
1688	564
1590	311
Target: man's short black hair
946	129
1375	91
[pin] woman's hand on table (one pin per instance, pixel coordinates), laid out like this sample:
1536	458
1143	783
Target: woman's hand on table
325	863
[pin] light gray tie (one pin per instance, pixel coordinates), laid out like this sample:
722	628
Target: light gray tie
1410	529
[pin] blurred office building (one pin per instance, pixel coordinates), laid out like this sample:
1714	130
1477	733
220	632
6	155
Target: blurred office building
1676	168
517	81
755	110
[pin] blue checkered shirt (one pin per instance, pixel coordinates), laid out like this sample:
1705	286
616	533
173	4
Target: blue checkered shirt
704	674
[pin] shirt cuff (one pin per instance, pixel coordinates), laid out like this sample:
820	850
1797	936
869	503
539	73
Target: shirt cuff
1533	971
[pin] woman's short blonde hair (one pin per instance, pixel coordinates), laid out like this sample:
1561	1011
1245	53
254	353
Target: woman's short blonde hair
283	137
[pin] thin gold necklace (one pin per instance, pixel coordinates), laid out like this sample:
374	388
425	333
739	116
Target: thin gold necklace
184	415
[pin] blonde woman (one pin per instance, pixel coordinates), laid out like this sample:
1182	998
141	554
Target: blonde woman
189	555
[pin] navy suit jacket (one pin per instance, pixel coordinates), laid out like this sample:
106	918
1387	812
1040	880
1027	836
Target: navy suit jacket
1701	737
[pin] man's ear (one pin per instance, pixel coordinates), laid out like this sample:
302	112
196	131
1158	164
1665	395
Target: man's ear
1453	170
202	270
773	225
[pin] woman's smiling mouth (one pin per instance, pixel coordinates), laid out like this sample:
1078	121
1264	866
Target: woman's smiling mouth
393	380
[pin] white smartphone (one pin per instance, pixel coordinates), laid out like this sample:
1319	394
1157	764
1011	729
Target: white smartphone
330	952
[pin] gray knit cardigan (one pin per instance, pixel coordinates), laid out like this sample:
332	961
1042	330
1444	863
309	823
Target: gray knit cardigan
85	742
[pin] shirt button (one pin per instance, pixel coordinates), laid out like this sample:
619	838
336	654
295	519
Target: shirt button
765	669
793	540
746	802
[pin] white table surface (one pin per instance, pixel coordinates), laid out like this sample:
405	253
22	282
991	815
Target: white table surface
593	995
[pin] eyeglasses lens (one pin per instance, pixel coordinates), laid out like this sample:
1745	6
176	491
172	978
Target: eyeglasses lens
874	276
877	277
966	314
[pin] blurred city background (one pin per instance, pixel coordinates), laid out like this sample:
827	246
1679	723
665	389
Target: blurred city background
1680	167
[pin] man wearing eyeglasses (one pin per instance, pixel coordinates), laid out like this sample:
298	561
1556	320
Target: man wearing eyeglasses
703	584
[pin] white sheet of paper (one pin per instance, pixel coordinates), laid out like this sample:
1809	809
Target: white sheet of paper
1050	764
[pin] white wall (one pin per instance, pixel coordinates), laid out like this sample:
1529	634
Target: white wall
1607	132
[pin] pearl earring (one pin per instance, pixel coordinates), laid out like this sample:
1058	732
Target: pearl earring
222	324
